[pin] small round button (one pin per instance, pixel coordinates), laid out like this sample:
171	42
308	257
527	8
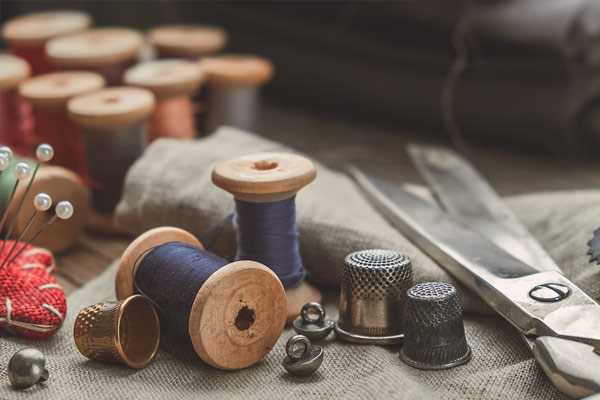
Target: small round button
549	292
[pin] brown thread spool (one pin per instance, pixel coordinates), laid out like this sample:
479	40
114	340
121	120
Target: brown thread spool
113	122
107	51
232	90
15	116
172	82
270	177
27	35
48	94
221	304
187	41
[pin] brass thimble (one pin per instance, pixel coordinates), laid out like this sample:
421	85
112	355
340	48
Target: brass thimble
124	332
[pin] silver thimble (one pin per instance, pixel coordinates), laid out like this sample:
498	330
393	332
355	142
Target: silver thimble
372	296
433	328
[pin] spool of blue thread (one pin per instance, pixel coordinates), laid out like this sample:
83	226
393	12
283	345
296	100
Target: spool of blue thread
264	186
233	313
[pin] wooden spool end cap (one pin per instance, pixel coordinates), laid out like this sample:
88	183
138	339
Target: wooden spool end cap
187	40
95	48
264	177
237	315
111	107
124	285
13	71
35	29
54	90
61	184
166	78
237	70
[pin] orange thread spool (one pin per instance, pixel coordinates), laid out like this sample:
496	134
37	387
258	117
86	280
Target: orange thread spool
15	115
106	51
48	95
172	82
27	35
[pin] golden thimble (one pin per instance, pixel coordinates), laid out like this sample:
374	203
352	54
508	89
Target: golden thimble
125	332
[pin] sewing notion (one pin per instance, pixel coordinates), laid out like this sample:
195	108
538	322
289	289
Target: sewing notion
302	358
312	323
15	116
187	41
26	368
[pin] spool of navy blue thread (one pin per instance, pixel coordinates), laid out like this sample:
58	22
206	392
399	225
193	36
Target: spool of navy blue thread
267	233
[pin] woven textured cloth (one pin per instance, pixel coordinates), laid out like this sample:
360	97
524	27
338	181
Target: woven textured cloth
171	185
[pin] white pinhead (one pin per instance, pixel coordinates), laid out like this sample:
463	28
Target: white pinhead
44	152
22	171
4	162
7	152
64	210
42	202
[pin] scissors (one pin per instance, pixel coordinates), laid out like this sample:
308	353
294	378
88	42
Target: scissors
478	240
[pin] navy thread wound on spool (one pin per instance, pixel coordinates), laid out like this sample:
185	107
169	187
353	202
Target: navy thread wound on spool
171	275
267	233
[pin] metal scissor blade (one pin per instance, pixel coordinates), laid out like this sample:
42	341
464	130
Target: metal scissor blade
465	194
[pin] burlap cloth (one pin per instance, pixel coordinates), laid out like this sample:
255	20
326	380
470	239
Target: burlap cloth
171	185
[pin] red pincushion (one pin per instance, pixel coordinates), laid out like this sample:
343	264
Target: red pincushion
32	304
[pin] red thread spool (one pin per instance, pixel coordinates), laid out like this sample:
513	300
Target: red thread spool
27	35
187	41
15	116
48	95
172	82
106	51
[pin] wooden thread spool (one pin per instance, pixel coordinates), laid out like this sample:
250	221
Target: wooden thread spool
48	95
237	314
27	35
113	123
232	90
187	41
15	116
172	82
107	51
61	184
264	178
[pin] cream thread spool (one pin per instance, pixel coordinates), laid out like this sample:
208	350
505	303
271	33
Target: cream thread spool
15	117
232	90
270	178
172	81
27	35
187	41
48	94
107	51
114	125
236	315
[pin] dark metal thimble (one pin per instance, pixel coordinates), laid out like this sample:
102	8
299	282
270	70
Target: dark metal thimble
433	328
372	296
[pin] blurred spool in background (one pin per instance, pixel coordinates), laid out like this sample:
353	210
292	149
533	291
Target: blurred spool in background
27	35
114	130
106	51
232	90
15	116
172	81
48	95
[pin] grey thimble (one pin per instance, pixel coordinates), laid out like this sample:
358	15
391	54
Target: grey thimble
372	296
434	329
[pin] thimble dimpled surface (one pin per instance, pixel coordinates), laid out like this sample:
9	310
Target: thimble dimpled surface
434	330
373	291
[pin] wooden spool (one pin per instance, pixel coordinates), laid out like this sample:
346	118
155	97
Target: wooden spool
220	324
187	41
13	71
107	51
172	82
104	115
15	118
27	35
268	177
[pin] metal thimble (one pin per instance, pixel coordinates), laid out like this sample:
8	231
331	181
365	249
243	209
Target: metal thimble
124	332
434	329
372	296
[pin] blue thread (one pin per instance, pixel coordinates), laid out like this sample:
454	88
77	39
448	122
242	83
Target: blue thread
171	275
267	233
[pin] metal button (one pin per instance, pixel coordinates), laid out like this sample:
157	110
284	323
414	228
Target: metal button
550	292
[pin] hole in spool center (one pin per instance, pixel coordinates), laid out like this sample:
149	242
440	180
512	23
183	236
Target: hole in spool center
245	318
111	99
265	165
